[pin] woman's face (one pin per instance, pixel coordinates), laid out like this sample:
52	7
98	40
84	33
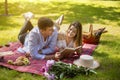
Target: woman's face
71	32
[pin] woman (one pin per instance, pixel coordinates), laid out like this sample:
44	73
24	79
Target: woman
72	38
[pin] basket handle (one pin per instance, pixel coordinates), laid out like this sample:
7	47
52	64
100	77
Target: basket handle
91	29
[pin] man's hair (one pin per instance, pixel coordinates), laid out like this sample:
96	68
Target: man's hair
44	23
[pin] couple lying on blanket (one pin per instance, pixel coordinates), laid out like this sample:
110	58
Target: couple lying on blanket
45	39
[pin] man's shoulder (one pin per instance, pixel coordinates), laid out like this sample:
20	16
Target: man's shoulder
34	31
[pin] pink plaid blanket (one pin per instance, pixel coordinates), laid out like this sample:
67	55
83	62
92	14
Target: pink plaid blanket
35	65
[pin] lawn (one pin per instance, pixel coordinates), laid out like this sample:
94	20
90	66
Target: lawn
99	13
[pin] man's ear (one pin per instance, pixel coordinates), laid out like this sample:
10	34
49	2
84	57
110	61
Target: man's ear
41	31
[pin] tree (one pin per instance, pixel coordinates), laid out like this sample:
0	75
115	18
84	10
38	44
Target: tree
6	8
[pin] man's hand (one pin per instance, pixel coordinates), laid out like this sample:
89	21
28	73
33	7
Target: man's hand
27	55
40	51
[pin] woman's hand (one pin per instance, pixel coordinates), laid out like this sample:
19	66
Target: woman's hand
78	49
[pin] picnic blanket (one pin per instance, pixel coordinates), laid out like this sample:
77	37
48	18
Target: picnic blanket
35	65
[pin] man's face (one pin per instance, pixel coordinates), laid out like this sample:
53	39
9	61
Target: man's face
49	31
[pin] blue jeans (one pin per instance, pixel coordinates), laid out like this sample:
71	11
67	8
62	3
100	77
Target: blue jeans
24	31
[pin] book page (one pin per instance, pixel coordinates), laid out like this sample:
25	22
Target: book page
79	47
68	51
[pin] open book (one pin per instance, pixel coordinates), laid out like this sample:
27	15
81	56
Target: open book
68	51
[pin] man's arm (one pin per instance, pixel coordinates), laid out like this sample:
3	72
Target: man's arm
55	56
34	46
48	57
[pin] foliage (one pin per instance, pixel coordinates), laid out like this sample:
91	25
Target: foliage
99	13
57	70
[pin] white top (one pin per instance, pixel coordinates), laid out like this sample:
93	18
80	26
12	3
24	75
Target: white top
61	42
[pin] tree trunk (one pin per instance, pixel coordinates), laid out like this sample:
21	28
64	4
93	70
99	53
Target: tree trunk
6	8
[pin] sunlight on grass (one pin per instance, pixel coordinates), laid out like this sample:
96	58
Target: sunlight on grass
99	13
12	36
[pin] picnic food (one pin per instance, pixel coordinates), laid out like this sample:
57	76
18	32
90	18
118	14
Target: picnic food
22	60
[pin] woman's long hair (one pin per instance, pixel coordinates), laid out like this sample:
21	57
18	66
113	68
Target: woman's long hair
78	36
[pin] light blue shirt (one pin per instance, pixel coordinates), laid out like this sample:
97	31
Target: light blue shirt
34	42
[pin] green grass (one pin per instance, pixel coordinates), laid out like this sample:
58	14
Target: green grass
99	13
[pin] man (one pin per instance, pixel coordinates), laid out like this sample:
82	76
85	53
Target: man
40	42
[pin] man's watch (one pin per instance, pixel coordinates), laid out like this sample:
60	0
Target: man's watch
40	51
